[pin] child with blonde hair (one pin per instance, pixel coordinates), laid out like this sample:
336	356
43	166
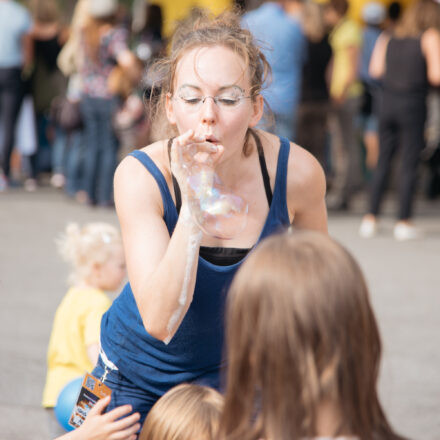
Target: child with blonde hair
185	412
96	256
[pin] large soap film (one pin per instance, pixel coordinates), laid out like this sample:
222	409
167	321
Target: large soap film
215	210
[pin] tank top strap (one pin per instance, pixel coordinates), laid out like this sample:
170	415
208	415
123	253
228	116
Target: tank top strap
280	187
170	214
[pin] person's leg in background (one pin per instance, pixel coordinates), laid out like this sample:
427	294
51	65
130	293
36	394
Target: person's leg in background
59	158
11	97
312	130
76	152
388	145
107	153
90	115
346	114
413	142
388	141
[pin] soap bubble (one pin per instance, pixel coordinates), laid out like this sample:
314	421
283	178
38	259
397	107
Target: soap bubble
216	211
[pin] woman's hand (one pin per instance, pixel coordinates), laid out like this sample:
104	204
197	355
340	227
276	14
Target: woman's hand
189	154
109	426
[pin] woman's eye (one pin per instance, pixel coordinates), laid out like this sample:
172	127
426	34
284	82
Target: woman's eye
192	101
228	101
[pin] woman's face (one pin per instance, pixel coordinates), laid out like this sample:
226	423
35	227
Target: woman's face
214	72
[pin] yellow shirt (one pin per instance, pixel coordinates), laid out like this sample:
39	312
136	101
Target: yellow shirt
346	34
76	326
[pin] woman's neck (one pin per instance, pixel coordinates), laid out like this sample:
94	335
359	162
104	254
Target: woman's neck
234	169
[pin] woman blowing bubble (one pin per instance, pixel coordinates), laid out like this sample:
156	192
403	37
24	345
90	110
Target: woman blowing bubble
166	327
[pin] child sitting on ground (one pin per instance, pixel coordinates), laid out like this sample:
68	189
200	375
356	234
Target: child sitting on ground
96	256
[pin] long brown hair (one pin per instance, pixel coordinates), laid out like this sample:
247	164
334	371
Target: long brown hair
300	332
203	29
417	18
92	34
186	412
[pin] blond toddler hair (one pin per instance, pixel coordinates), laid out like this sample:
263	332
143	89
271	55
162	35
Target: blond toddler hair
83	247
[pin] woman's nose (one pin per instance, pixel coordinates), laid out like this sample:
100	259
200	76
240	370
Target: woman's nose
208	110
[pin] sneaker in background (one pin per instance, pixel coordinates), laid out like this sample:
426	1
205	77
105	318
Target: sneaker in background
368	227
404	231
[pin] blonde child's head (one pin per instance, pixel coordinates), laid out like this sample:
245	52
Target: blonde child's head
186	412
95	254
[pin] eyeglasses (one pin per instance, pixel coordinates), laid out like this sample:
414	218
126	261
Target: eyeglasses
193	102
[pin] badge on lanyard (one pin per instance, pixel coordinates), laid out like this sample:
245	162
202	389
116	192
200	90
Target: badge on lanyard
92	390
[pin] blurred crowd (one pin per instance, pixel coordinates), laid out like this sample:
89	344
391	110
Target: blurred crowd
73	96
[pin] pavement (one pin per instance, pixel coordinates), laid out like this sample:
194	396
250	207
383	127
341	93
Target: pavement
404	279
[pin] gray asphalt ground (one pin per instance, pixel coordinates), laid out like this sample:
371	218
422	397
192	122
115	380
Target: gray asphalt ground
404	279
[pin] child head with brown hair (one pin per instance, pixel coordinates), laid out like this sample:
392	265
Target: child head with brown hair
186	412
303	345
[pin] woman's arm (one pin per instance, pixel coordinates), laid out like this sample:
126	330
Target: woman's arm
378	57
306	189
161	270
431	49
109	426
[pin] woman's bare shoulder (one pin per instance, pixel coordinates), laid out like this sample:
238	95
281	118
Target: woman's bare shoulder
155	151
131	175
305	176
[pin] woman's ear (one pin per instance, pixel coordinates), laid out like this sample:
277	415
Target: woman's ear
169	108
257	110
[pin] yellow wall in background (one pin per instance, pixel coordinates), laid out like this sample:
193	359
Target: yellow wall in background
174	10
356	6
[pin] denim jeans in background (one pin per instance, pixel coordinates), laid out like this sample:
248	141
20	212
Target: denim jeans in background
101	148
75	160
281	125
59	151
285	126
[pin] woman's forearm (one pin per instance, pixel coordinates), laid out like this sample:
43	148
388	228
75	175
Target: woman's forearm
166	295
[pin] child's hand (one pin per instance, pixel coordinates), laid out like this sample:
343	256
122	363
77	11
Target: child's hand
99	426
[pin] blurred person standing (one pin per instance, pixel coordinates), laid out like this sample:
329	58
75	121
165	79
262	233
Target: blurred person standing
47	82
68	61
15	55
373	15
278	26
104	44
314	105
345	93
407	61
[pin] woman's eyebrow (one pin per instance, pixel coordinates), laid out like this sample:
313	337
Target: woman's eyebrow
230	86
220	89
192	86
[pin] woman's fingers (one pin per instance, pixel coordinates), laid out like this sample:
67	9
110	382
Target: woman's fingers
118	412
100	405
187	137
126	422
126	433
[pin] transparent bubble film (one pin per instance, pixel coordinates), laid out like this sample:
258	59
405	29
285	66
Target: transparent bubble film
216	211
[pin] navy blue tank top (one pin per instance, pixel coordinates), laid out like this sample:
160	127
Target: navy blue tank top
195	352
